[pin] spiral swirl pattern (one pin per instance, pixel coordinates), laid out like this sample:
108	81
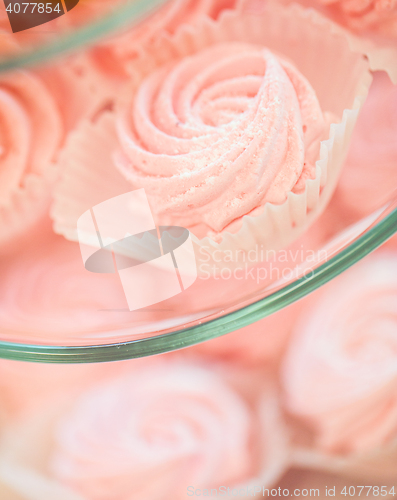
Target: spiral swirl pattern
213	136
153	433
30	131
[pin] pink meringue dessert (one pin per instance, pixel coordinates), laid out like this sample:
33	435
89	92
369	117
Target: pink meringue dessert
225	127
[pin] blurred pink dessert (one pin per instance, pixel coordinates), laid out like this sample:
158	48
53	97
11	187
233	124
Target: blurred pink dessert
369	178
168	18
156	432
29	146
365	15
340	371
113	55
63	94
157	427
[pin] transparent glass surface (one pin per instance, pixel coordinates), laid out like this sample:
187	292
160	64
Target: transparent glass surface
71	326
222	305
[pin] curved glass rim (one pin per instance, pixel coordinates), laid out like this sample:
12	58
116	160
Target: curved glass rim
83	36
362	246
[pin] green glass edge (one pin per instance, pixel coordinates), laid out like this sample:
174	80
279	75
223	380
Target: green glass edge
83	36
365	244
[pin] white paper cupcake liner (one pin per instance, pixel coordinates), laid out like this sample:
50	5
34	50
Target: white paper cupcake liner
381	53
78	88
80	188
26	205
302	36
381	50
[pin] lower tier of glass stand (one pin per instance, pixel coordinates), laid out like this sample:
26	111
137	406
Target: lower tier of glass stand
78	320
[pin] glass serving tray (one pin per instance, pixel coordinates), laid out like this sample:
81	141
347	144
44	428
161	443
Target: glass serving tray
210	307
179	328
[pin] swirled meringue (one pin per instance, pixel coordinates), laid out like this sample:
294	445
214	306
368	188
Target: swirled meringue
27	142
250	169
216	135
154	433
29	146
340	372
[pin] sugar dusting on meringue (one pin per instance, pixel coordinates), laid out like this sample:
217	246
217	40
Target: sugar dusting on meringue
214	136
